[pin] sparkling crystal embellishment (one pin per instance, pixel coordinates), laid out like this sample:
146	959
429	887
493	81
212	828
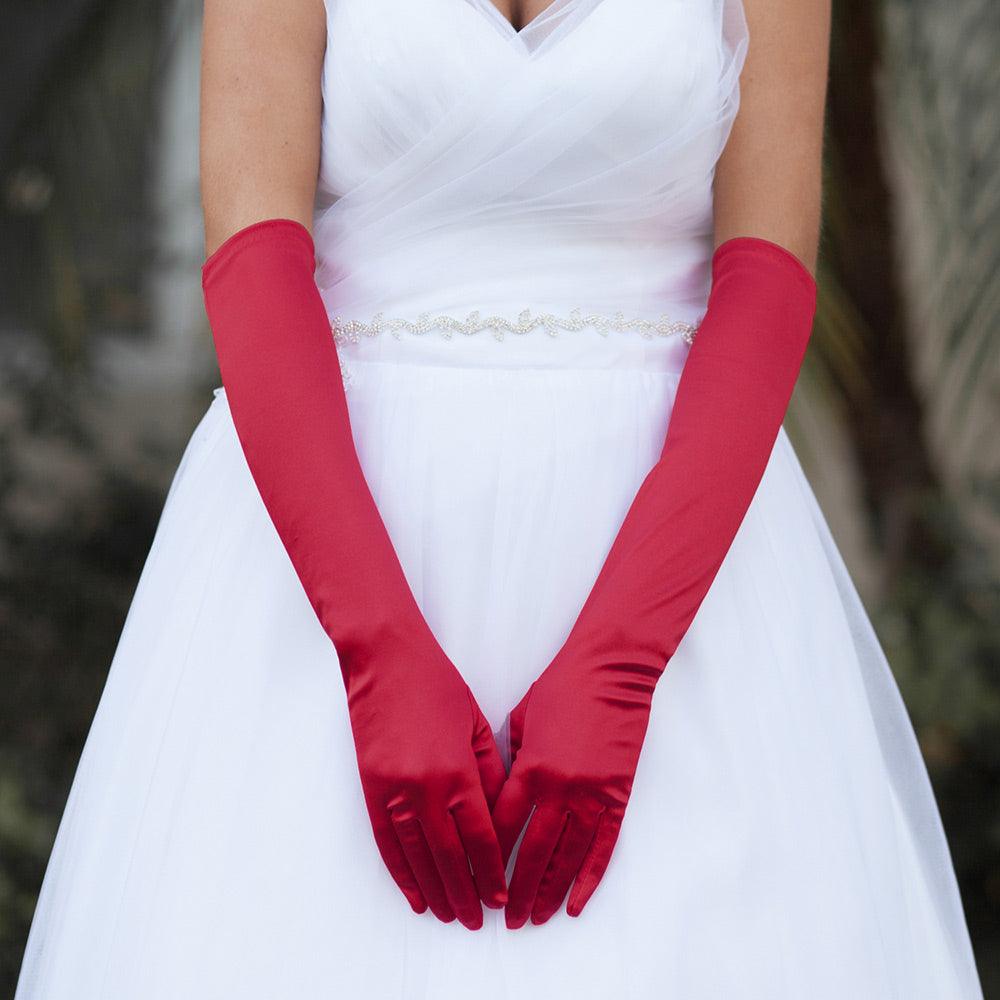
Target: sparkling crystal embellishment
352	330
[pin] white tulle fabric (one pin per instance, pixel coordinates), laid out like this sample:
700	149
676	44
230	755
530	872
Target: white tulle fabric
782	840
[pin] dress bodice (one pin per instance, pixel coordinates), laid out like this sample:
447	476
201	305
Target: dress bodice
466	165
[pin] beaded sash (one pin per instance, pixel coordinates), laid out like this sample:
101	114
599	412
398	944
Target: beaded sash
353	331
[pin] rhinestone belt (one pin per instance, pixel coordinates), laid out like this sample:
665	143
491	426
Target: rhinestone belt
351	331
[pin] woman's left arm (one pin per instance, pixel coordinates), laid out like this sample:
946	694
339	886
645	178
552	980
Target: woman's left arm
768	181
577	733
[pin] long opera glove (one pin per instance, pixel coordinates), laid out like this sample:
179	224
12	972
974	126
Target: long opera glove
429	767
577	733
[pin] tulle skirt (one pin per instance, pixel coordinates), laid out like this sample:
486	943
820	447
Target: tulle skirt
781	842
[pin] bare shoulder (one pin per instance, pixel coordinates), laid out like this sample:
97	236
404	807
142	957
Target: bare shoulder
260	111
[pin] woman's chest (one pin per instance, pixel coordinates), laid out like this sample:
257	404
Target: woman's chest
611	77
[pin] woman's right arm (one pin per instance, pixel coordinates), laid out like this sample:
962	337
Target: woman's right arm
260	112
429	767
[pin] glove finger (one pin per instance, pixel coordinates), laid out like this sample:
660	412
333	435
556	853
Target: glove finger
421	861
395	860
544	830
492	773
475	828
596	862
453	867
565	864
511	813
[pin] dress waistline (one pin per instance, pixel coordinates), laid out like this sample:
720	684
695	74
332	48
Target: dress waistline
550	338
352	330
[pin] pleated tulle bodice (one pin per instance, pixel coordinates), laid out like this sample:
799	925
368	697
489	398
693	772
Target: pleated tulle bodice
467	165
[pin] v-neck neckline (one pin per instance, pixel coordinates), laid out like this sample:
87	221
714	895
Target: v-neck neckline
527	24
556	11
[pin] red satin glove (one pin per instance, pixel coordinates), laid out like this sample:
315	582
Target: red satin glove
429	767
577	733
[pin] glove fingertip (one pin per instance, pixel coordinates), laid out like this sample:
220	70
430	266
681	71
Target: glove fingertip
414	897
579	898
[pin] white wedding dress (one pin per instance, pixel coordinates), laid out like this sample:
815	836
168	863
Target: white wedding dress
782	841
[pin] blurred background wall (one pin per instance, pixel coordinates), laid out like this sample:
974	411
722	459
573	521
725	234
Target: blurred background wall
106	365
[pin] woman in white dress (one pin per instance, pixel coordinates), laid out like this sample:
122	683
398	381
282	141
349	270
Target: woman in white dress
518	215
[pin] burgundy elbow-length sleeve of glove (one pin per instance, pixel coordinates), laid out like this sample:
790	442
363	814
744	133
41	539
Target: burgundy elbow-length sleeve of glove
429	767
577	733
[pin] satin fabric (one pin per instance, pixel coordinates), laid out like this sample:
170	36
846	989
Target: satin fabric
576	735
428	796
